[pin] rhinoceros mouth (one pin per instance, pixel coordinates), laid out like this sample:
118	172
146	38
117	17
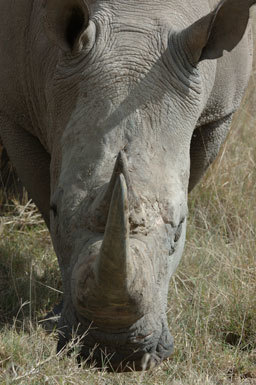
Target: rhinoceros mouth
134	349
104	359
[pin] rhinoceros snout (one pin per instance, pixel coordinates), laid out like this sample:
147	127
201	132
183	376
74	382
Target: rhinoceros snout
114	282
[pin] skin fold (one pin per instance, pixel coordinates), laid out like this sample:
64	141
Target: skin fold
111	112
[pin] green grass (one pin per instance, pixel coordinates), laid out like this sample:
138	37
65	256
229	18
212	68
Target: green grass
212	298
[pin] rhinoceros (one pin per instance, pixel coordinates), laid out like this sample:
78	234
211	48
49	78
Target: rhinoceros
111	111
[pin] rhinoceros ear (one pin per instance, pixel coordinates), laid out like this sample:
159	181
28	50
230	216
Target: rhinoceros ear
220	30
66	22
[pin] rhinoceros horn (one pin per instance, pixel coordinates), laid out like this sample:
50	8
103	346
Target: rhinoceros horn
109	298
112	302
113	263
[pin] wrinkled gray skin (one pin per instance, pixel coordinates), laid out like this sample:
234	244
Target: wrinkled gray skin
148	87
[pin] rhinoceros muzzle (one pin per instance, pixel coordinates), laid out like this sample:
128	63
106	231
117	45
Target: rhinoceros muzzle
115	292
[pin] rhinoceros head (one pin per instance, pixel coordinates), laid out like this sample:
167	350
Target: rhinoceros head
123	101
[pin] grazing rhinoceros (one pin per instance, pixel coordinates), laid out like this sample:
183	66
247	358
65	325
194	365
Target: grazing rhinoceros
111	111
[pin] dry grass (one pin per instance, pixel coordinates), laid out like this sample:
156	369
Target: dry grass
212	301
